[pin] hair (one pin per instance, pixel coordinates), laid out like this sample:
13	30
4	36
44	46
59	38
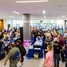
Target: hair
18	41
12	44
50	47
56	42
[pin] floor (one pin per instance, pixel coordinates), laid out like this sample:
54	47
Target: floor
29	63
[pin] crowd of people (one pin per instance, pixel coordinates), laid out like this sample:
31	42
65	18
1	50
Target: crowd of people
54	44
6	34
14	50
16	54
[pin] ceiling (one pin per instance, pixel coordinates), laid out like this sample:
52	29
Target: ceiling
54	9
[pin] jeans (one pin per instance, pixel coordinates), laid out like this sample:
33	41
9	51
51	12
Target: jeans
56	59
62	55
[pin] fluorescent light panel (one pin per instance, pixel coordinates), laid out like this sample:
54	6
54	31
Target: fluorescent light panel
16	12
43	11
31	1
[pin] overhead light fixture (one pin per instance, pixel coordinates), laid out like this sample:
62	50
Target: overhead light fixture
43	11
63	16
16	12
31	1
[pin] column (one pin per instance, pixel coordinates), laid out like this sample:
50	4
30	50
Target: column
26	27
65	25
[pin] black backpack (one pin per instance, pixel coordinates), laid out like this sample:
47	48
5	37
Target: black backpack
22	50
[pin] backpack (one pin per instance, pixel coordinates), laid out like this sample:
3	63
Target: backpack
22	50
16	55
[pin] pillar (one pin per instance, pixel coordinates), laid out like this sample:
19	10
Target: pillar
26	27
65	25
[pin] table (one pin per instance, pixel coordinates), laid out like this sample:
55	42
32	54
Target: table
32	50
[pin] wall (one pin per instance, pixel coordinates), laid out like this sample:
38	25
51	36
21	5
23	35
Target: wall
1	24
13	23
8	21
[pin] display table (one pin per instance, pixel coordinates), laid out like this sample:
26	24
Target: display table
32	50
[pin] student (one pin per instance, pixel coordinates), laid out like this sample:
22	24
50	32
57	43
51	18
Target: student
57	50
49	57
22	51
45	47
62	44
13	56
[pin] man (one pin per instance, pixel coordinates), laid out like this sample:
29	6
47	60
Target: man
62	44
57	49
11	56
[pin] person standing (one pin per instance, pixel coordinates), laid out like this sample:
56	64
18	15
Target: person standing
46	43
13	56
49	57
62	44
57	50
22	51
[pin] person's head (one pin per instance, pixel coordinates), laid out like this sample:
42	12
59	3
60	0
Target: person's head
56	43
11	37
47	42
32	35
38	36
66	37
18	42
49	48
12	45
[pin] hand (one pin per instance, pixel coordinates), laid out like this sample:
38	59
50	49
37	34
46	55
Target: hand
4	63
43	65
20	59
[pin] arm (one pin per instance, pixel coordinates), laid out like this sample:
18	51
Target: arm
8	57
45	61
6	61
45	49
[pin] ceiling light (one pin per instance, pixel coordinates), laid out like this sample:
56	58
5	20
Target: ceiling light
43	12
16	12
30	1
63	16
